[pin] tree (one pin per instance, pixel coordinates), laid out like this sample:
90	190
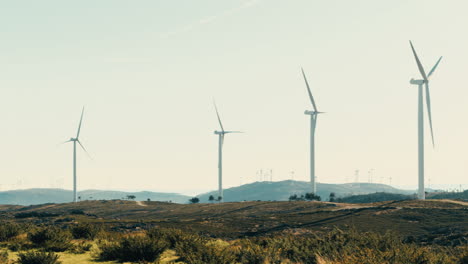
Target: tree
219	199
211	198
293	197
131	197
332	197
312	197
148	200
194	200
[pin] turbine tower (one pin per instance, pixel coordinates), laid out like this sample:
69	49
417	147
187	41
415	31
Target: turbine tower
313	123
420	82
75	140
220	154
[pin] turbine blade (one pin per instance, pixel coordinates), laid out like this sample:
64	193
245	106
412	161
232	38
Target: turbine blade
87	153
79	126
420	67
63	142
228	132
308	90
219	118
429	114
434	68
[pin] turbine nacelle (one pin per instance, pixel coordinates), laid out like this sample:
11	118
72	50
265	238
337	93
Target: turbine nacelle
417	82
226	132
307	112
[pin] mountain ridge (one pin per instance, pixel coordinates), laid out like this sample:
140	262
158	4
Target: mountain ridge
263	191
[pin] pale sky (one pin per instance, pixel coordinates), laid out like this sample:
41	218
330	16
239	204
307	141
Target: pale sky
147	72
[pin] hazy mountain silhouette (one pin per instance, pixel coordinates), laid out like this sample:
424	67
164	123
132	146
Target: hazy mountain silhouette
264	191
280	191
41	196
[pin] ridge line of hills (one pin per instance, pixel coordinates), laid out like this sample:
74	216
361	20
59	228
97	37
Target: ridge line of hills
257	191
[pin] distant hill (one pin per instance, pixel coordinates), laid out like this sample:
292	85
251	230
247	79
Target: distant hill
41	196
280	191
375	197
263	191
450	195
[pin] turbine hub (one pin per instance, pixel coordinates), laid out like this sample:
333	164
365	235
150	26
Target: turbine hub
219	132
417	82
307	112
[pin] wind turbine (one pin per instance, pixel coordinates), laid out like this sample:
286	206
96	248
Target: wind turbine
313	123
420	82
220	153
75	140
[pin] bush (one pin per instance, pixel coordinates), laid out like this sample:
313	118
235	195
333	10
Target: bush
312	197
19	245
8	231
51	239
252	252
198	250
171	236
35	214
77	212
3	256
85	231
194	200
133	249
80	248
38	257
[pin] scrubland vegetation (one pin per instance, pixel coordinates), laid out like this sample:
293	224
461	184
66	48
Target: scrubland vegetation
28	244
296	232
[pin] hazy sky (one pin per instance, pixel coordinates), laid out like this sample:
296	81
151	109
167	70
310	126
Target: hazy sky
147	72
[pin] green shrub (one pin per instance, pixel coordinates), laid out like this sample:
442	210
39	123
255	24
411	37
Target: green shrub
133	249
85	231
51	239
8	231
197	250
252	252
3	257
170	235
80	248
38	257
19	244
35	214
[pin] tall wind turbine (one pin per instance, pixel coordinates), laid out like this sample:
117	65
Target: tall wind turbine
420	82
220	154
313	123
75	140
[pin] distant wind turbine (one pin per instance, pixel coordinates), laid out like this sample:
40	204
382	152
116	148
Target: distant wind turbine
420	82
313	123
220	154
75	140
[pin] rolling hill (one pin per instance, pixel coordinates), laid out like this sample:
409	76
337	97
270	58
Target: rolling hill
257	191
280	191
431	218
41	196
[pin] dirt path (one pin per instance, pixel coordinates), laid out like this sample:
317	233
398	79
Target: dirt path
452	201
140	203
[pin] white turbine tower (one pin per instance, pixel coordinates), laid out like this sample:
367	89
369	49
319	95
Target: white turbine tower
220	154
75	140
420	82
313	123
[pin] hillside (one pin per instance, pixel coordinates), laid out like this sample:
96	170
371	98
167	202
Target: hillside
280	191
258	191
232	220
42	196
